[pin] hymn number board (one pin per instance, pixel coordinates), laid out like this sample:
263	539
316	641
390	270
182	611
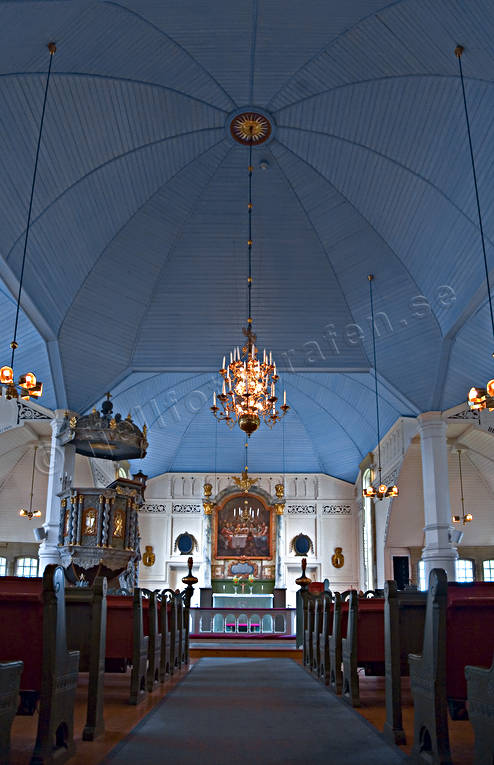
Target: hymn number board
243	529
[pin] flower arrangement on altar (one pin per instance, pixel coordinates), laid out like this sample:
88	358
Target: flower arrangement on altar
251	579
236	580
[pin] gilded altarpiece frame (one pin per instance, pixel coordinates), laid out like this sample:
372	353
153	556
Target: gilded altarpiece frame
243	529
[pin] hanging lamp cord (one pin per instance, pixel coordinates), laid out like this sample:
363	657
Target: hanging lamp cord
52	49
249	245
458	53
32	480
461	486
371	279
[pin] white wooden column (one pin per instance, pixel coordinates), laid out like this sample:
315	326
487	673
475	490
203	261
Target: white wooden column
62	460
439	551
280	581
206	551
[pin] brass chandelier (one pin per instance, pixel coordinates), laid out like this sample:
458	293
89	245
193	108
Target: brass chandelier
27	386
383	491
478	398
248	391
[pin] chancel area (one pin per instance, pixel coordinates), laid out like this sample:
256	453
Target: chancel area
246	382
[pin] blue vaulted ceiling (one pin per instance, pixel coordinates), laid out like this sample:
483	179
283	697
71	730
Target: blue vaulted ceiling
135	278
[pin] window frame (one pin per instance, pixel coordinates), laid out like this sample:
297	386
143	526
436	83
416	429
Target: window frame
20	562
460	561
3	564
491	567
421	580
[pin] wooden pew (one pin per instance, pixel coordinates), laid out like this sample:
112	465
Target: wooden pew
480	690
340	621
32	613
179	640
363	645
10	679
172	649
86	632
324	661
459	630
308	600
125	641
319	601
167	638
150	614
404	618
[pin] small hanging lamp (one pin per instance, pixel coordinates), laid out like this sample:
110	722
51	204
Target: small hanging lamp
382	490
478	398
30	514
464	517
27	385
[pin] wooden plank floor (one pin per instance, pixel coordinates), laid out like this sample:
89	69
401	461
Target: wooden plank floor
372	696
120	718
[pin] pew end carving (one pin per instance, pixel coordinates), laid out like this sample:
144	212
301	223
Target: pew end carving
480	684
10	679
86	632
428	679
404	617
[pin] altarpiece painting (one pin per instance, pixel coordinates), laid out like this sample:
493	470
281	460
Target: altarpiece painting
243	529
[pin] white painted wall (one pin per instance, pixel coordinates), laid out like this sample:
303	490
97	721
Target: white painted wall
317	505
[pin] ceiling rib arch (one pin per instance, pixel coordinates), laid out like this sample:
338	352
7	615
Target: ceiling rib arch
160	31
173	247
136	213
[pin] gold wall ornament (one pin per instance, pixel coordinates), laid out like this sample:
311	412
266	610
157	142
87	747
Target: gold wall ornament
338	559
149	558
73	422
208	490
208	507
279	508
280	490
243	481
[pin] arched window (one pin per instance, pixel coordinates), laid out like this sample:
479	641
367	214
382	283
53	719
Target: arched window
26	567
421	576
464	570
3	566
488	570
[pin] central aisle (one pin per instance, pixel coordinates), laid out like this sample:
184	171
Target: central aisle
246	711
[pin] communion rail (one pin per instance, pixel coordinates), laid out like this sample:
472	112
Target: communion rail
248	622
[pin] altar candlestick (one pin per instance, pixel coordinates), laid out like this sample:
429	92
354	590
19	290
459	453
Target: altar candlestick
214	398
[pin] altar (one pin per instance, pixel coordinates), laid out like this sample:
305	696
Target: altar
227	600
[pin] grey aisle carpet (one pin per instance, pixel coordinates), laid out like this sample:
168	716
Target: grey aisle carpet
252	712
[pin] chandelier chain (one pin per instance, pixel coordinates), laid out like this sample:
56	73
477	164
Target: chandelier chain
249	281
52	49
458	52
461	485
371	279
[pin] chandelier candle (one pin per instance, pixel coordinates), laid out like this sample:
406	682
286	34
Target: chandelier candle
251	394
